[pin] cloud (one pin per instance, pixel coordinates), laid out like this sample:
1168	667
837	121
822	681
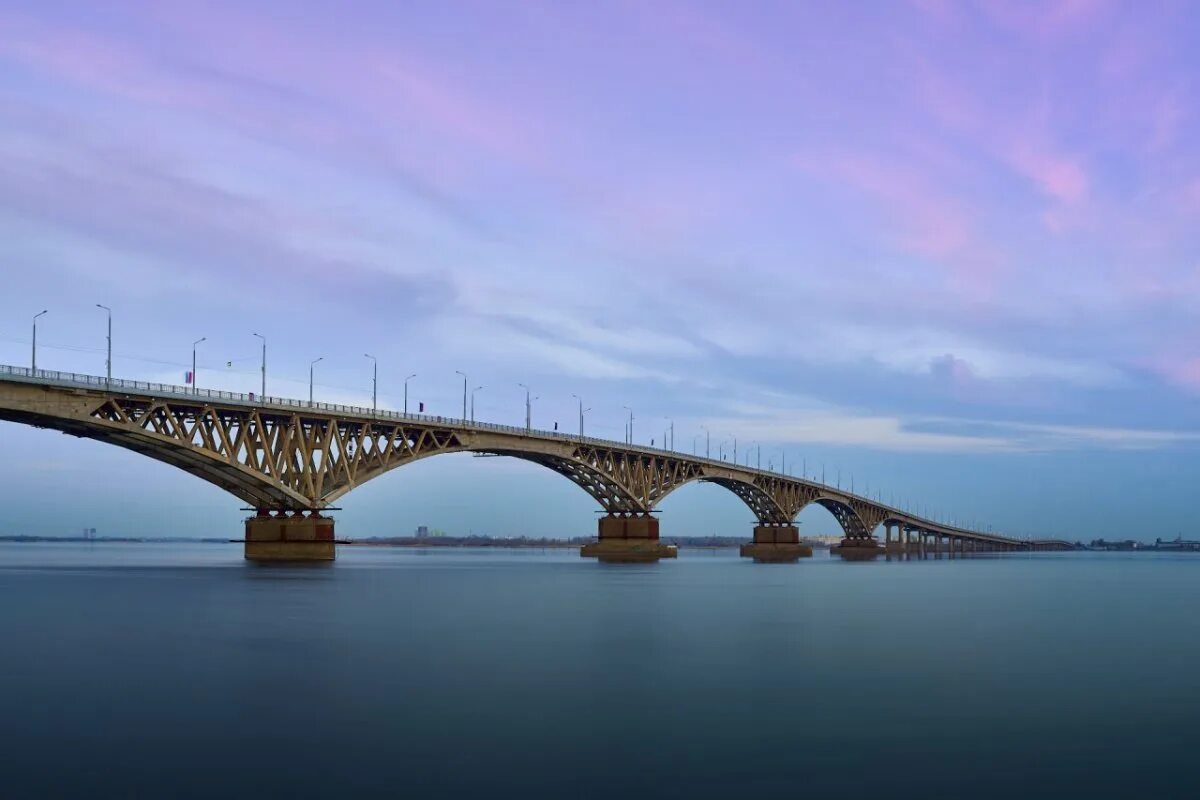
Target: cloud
934	434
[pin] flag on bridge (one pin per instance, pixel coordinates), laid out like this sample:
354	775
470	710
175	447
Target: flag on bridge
188	377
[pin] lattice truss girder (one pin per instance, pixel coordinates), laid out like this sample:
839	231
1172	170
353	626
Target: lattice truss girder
790	497
633	482
847	516
296	460
309	460
764	506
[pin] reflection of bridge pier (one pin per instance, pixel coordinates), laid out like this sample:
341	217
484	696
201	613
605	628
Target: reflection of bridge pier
776	543
628	537
289	537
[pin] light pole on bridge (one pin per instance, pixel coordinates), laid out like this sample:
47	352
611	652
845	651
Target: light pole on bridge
695	438
669	441
473	391
528	409
314	363
406	380
629	429
580	399
460	372
108	358
374	383
33	359
198	341
263	398
707	442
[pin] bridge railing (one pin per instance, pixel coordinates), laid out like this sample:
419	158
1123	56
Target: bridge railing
76	380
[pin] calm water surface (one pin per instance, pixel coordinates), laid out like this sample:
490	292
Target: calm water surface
181	671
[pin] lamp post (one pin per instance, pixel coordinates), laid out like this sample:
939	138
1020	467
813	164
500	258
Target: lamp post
528	414
108	359
629	430
707	442
33	358
312	364
460	372
263	397
669	440
695	437
406	380
473	391
198	341
374	383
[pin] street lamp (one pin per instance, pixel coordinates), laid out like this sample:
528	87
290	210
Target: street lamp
528	423
406	380
707	442
695	437
33	359
473	391
198	341
108	360
460	372
374	383
263	398
669	440
312	364
629	430
580	399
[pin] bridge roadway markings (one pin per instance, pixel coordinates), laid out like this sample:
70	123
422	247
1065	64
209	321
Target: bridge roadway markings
291	459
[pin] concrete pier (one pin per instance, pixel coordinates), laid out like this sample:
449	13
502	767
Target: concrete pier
284	538
776	543
628	538
858	549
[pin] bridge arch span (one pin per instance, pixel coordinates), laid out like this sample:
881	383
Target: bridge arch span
855	518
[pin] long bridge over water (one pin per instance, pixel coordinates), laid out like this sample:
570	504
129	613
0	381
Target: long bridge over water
291	460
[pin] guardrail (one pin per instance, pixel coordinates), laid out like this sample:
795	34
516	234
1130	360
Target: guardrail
77	380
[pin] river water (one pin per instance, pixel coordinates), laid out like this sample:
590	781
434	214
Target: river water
180	671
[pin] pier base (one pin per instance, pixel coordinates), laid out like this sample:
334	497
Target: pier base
776	543
626	539
857	549
289	538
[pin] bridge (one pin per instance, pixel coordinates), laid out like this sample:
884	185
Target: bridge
291	460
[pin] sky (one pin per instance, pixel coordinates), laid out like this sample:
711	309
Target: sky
947	250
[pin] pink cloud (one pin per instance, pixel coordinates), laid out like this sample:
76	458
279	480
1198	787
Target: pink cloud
1042	19
932	225
1060	177
1182	372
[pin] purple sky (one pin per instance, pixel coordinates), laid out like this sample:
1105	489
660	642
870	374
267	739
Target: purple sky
951	248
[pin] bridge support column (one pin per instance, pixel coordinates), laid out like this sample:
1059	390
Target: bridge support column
628	538
284	538
776	543
895	544
858	548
